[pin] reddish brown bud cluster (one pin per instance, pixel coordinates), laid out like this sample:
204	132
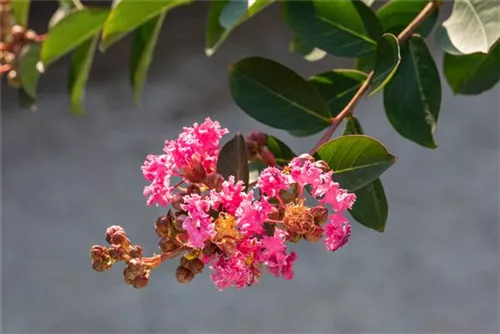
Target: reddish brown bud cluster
257	148
188	269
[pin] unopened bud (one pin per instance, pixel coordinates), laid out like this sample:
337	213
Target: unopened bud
320	214
195	265
184	275
177	201
120	239
30	35
167	245
258	137
322	165
195	172
141	281
17	31
134	268
136	251
214	181
252	149
182	238
294	237
111	230
179	221
101	265
209	249
162	225
117	253
306	156
315	235
97	252
267	157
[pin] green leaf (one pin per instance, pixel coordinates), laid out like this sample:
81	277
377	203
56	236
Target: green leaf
341	28
412	98
356	160
474	73
371	208
81	61
28	69
145	38
275	95
368	2
473	26
72	31
337	87
65	7
224	16
306	50
365	63
233	159
280	150
127	15
386	62
395	15
21	10
255	167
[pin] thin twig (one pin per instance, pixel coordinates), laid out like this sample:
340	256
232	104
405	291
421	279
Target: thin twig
348	109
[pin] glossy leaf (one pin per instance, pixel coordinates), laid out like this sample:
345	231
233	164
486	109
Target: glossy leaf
21	9
81	61
145	38
387	61
233	159
29	69
473	26
474	73
342	27
306	50
371	208
280	150
356	160
275	95
226	15
127	15
412	98
337	87
395	15
71	31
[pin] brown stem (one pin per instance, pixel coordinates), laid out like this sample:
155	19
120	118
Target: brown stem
348	109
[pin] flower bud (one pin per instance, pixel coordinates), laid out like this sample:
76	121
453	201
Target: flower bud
195	172
184	275
111	230
195	265
252	149
162	225
30	35
140	281
214	181
134	268
101	265
117	253
267	157
177	201
167	245
193	189
259	137
179	221
294	237
320	214
17	31
120	239
315	235
322	165
136	251
97	252
305	157
209	249
182	238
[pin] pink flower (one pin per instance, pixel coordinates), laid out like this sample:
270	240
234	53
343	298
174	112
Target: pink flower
199	225
332	194
157	169
271	181
251	215
303	171
233	271
274	256
230	197
337	232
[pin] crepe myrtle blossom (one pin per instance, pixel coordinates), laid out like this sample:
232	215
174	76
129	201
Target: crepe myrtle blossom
238	233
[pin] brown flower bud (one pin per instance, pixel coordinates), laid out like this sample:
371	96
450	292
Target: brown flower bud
252	149
117	253
141	281
184	275
163	223
97	252
168	245
136	251
101	265
178	221
120	239
111	230
320	214
193	189
267	157
195	172
294	237
306	156
209	249
177	201
17	32
182	238
315	235
259	137
195	265
30	35
134	268
214	181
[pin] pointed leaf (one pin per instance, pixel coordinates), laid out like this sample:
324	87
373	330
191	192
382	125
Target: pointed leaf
473	26
226	15
337	87
81	61
386	62
474	73
71	31
342	27
21	9
65	7
275	95
28	69
280	150
233	159
368	2
127	15
412	98
395	15
356	160
145	38
306	50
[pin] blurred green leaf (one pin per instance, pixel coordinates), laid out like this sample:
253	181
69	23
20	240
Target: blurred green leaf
473	26
145	38
71	31
412	98
337	87
224	16
28	69
233	159
356	160
342	27
371	208
81	61
306	50
474	73
395	15
280	150
254	169
21	10
368	2
365	63
387	61
275	95
127	15
26	101
65	7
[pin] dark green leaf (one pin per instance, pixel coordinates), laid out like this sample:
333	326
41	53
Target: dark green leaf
356	160
255	167
368	2
81	61
28	69
280	150
127	15
224	16
71	31
275	95
233	159
306	50
337	87
395	15
365	63
473	26
386	62
474	73
21	9
371	208
342	27
145	38
412	98
26	101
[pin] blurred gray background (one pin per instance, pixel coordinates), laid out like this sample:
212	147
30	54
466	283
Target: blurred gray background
65	179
